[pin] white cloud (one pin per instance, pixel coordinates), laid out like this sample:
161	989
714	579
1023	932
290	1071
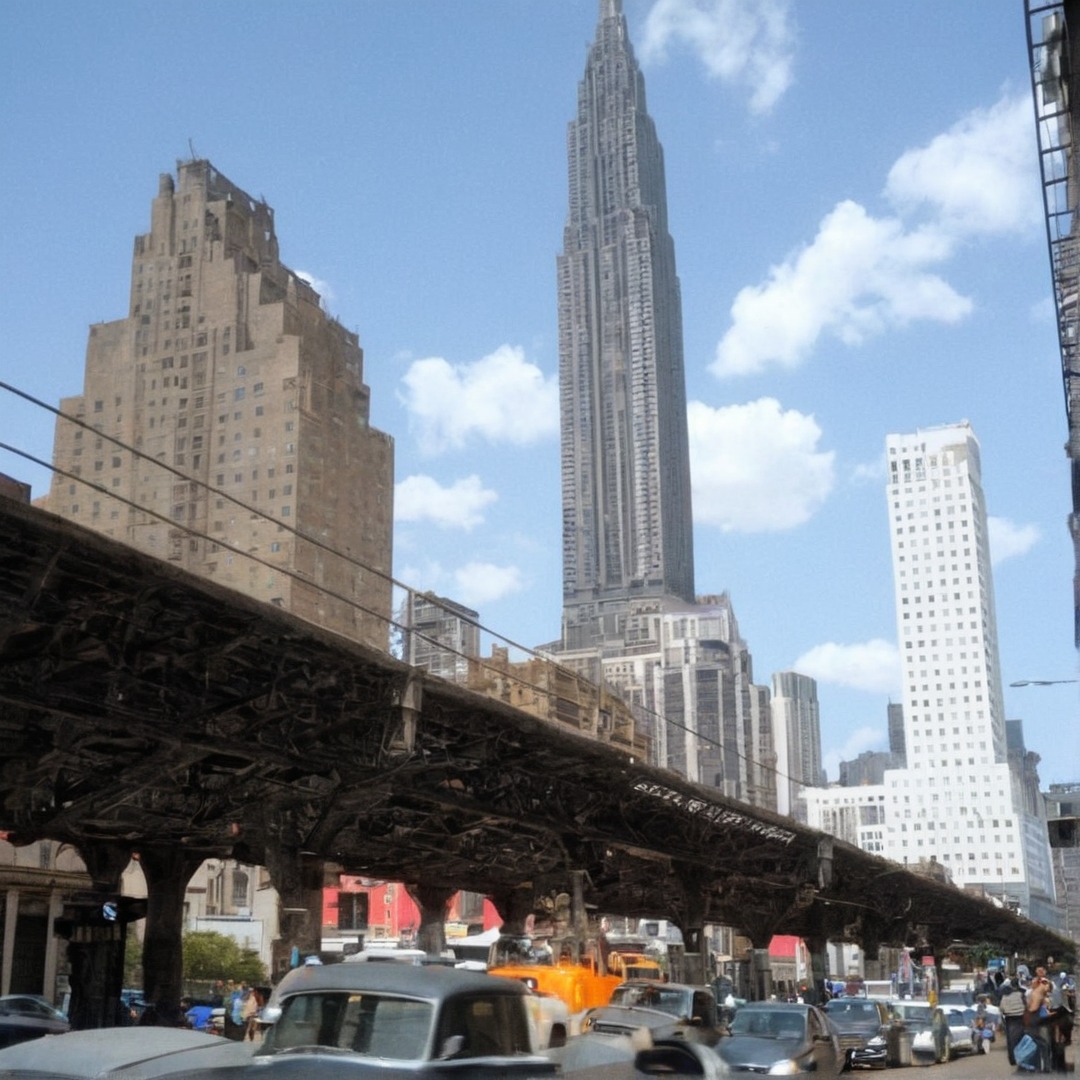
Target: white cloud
863	275
479	583
747	43
326	294
873	666
859	740
980	176
1008	539
755	467
459	506
860	276
869	472
501	398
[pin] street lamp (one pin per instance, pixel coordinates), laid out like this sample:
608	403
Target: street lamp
1041	682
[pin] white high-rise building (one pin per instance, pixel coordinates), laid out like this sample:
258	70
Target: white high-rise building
959	802
796	722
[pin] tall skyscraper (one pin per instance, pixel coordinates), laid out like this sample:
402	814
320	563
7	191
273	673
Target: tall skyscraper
627	523
797	733
631	619
252	461
963	801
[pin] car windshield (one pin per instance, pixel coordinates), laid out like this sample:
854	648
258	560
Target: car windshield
851	1009
768	1023
914	1014
652	997
510	951
371	1024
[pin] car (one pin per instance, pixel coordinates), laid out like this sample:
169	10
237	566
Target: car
550	1018
930	1033
29	1016
364	1018
668	1010
862	1025
120	1053
782	1039
961	1021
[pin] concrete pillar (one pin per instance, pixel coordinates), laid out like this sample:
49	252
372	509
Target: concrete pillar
11	920
514	907
167	872
434	904
761	982
52	945
96	943
815	983
298	878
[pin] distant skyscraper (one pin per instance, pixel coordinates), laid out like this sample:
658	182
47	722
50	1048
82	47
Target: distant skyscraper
796	722
440	635
966	801
627	523
963	801
231	383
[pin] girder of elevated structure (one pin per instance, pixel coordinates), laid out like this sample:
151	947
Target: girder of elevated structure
141	706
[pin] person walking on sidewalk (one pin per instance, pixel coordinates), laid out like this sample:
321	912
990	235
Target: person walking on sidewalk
1012	1005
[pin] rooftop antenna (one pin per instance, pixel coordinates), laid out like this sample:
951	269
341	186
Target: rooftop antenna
191	147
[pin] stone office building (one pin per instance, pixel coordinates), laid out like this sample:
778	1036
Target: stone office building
223	423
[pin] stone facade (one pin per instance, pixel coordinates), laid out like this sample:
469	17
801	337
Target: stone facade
224	422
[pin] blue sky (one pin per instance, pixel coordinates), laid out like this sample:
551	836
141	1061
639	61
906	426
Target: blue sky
854	196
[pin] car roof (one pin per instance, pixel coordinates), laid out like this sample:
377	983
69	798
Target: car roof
431	983
134	1050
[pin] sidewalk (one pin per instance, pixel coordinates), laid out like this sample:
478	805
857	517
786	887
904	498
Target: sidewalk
994	1064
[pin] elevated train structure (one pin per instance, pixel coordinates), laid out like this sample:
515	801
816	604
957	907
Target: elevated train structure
146	711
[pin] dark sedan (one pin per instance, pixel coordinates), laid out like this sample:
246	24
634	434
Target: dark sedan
782	1039
27	1016
862	1025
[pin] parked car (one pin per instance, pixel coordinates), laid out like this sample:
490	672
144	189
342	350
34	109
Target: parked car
782	1038
961	1021
120	1053
668	1010
862	1025
931	1036
423	1020
27	1016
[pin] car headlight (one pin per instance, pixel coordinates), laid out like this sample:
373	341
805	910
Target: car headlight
784	1068
877	1041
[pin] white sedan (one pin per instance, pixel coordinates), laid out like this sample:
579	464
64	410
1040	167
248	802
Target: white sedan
961	1022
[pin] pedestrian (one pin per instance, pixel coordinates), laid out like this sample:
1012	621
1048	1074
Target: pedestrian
234	1012
1013	1005
1037	1016
250	1012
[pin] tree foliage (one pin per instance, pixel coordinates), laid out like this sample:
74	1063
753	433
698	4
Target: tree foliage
210	955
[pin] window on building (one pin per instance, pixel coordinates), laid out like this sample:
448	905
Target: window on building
352	908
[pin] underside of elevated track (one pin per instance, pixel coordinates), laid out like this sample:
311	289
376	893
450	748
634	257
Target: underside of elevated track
143	709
